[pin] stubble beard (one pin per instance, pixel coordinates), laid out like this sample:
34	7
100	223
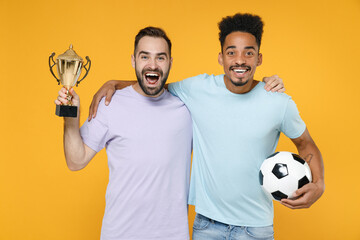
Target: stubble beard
239	84
148	90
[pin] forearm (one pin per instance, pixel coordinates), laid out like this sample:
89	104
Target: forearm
309	193
309	151
120	84
74	149
312	156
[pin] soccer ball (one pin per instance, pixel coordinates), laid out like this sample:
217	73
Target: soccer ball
282	173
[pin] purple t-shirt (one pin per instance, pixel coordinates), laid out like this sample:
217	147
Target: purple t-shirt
148	142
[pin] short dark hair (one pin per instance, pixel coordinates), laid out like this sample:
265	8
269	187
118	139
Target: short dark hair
241	23
152	32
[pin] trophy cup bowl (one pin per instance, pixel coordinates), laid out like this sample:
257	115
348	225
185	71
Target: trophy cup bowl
69	66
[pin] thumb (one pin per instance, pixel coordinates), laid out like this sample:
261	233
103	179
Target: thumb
73	93
301	191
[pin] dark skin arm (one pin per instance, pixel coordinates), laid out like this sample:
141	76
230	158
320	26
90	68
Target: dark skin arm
310	193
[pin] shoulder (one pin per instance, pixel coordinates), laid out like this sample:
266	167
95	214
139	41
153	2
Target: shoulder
125	92
120	97
199	80
275	96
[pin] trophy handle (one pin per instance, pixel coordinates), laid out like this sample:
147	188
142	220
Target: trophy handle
52	65
87	69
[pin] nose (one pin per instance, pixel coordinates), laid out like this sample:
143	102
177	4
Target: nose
240	59
152	63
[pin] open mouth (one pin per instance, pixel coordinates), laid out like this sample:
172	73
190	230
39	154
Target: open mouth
240	70
152	78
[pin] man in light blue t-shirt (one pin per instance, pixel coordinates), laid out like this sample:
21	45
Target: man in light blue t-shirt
236	125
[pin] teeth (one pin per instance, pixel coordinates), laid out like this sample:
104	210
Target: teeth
151	74
239	70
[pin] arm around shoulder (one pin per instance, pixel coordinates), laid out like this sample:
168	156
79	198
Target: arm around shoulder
107	90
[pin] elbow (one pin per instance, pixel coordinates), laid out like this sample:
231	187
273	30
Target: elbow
74	166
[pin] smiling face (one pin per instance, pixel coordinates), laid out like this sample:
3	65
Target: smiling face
240	56
152	63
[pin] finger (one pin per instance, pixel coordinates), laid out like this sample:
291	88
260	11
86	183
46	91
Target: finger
293	204
271	78
63	90
290	206
93	108
57	102
90	112
268	82
62	100
301	202
62	93
278	88
281	90
303	190
108	97
73	93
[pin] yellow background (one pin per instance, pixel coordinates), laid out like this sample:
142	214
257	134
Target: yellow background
313	45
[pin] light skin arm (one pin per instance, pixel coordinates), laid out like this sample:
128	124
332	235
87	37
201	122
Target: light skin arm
77	154
310	193
273	83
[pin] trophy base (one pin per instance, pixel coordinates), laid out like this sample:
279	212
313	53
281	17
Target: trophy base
66	111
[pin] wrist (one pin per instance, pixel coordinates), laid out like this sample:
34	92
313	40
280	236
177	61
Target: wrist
116	84
70	122
320	184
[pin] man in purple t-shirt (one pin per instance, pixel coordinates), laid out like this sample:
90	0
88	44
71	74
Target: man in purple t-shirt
147	134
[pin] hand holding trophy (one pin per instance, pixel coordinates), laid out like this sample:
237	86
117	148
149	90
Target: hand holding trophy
69	66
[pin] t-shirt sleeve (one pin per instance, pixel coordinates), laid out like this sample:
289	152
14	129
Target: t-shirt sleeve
185	88
177	89
292	125
95	132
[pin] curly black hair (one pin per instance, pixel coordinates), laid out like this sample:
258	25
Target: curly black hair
242	22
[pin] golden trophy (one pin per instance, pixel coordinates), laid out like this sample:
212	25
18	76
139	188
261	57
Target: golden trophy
69	66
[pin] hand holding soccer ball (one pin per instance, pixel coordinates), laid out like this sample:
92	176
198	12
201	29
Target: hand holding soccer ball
282	173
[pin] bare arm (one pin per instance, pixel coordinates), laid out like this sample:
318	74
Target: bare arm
273	83
311	192
107	90
77	154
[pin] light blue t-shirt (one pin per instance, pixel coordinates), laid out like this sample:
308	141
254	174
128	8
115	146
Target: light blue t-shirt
148	142
233	134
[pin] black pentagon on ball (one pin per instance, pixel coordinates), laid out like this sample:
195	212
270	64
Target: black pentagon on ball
261	178
280	170
298	158
303	182
279	195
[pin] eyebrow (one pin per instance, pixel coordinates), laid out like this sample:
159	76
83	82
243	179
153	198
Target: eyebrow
158	54
231	47
250	47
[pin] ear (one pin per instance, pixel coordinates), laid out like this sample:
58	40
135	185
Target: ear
132	60
220	59
259	60
171	62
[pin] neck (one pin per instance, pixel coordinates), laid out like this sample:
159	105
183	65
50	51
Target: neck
138	89
240	89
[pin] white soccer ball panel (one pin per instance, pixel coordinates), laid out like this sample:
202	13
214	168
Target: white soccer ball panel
283	173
